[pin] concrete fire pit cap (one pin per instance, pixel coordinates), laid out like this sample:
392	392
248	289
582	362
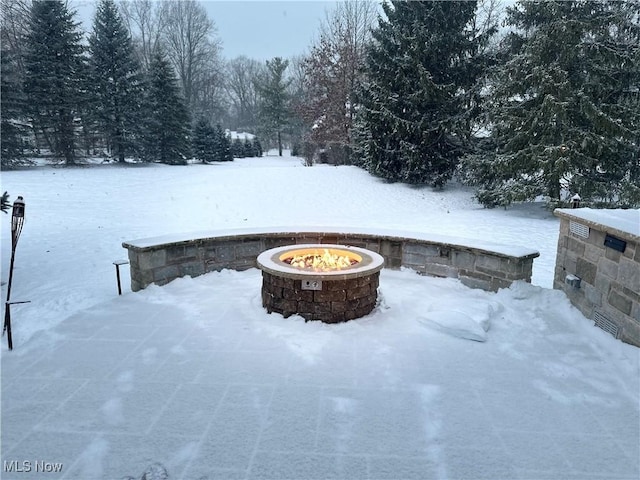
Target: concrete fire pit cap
368	264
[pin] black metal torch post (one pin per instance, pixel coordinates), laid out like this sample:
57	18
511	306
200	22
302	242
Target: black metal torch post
17	220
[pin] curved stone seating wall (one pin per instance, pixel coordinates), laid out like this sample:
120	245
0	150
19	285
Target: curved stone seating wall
477	264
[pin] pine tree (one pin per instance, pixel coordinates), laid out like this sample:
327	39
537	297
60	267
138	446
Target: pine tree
12	106
410	124
54	72
564	115
257	147
274	105
166	129
237	149
115	79
223	145
248	148
206	143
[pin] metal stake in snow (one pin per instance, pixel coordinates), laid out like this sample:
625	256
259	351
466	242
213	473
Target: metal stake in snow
17	220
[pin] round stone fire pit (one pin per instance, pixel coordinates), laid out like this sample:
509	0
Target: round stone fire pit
330	283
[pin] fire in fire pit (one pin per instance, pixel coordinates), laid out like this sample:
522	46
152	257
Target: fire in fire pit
321	262
331	283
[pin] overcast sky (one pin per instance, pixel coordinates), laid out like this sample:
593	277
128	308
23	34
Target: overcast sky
260	29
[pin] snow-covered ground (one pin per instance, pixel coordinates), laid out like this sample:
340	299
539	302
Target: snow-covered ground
197	376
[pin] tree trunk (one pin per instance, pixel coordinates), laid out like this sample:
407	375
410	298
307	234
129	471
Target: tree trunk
279	143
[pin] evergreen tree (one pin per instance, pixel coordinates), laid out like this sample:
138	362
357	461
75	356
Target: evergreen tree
223	145
237	149
12	106
410	124
115	79
257	147
565	106
274	105
248	148
206	142
54	72
166	129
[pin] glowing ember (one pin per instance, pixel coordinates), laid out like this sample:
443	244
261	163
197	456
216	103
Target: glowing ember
321	262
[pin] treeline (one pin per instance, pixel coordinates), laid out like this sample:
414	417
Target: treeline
538	100
150	92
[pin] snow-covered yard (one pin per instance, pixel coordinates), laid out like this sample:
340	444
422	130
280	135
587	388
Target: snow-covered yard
197	376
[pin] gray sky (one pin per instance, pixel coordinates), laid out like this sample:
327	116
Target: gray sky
260	29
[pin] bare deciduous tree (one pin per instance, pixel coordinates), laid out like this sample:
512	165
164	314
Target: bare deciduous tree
241	75
14	27
333	72
191	43
145	27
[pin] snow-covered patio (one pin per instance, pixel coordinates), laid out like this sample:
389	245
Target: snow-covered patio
197	376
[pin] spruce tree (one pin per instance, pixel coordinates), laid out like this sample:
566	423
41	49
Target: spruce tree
115	80
54	73
166	130
205	143
223	145
237	149
563	111
248	148
257	147
410	124
12	106
274	104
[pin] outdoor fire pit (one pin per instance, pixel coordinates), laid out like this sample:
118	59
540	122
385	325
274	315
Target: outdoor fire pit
330	283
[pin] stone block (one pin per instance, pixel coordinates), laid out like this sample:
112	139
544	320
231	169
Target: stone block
612	254
413	259
498	283
136	286
151	259
593	253
620	302
593	295
358	292
585	270
373	246
420	249
389	248
321	308
250	249
193	269
629	252
596	237
488	262
463	260
339	284
330	296
608	268
393	262
633	295
340	307
297	295
167	273
603	284
636	257
274	242
436	270
629	274
473	282
576	246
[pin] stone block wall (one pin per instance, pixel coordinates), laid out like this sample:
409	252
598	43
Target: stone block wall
476	267
609	290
